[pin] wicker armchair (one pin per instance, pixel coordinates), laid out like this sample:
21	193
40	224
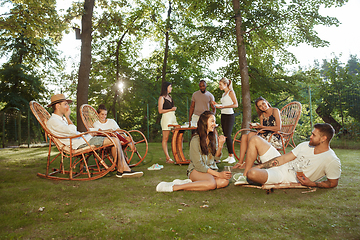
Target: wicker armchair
83	164
290	115
134	155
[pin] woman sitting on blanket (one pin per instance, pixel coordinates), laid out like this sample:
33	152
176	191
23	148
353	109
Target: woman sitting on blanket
269	120
205	148
109	124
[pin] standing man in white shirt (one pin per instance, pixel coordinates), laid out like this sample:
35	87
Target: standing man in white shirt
61	125
201	101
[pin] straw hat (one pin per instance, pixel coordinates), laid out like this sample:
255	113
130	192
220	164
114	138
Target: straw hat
57	98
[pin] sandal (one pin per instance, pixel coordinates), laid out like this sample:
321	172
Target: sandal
170	161
240	165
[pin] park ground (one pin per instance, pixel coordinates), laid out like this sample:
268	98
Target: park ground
113	208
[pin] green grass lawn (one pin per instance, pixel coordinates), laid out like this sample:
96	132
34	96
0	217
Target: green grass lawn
113	208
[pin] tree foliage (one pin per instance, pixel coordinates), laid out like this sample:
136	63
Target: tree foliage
120	32
28	33
199	33
338	93
267	29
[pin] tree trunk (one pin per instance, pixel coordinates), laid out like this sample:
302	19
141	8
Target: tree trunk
245	86
117	77
326	117
113	108
85	60
166	43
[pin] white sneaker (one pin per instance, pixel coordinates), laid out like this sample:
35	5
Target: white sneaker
165	187
181	182
225	160
240	179
231	160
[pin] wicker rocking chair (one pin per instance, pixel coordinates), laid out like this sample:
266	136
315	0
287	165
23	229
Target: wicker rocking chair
83	164
134	156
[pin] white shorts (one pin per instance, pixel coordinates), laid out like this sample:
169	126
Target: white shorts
270	154
168	118
281	174
194	119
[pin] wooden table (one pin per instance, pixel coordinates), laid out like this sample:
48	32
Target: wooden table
177	143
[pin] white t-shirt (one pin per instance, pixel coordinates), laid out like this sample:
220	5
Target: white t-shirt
109	125
315	166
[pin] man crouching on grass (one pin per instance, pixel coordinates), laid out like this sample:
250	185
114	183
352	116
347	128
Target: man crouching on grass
307	163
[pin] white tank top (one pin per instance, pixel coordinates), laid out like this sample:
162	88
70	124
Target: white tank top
226	101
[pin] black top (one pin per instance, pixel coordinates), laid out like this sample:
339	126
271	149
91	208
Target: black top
269	122
168	104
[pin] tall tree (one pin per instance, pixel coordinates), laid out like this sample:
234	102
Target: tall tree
117	39
201	32
142	78
166	52
337	93
245	86
354	65
263	31
28	34
85	60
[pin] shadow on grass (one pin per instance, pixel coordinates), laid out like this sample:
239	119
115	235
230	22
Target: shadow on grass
113	208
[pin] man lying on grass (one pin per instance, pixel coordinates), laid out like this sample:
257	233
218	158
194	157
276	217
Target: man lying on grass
307	163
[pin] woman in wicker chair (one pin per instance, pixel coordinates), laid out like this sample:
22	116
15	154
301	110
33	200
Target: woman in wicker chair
270	122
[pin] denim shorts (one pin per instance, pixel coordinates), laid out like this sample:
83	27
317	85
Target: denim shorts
98	141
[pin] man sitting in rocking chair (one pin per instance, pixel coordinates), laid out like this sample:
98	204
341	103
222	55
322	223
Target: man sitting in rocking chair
307	163
61	125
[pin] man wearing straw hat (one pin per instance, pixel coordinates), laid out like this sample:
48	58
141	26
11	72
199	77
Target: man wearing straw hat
61	125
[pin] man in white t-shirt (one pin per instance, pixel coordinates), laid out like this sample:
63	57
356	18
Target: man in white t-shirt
201	101
306	164
61	125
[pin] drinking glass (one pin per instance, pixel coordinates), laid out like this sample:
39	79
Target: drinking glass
228	168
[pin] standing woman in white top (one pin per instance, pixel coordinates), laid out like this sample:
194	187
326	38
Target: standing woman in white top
228	102
167	109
